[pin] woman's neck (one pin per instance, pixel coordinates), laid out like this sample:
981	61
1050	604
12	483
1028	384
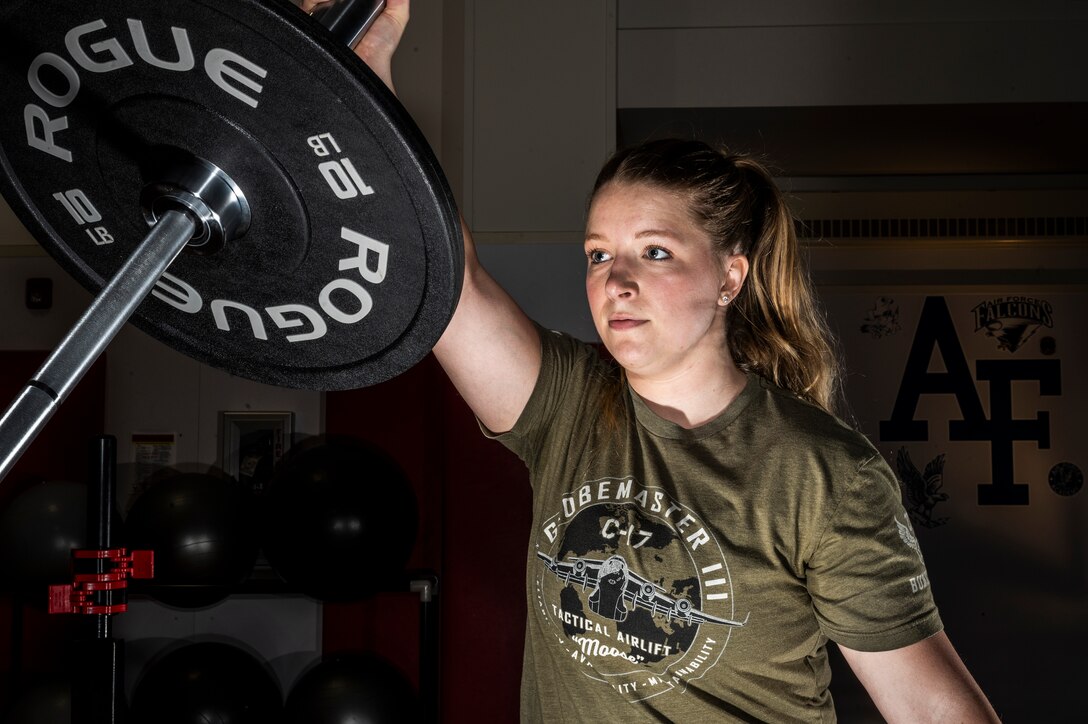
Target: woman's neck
694	396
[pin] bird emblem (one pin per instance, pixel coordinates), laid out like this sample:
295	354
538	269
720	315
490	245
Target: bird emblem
921	490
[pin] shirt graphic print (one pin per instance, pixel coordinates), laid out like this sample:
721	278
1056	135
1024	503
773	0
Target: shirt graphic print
634	587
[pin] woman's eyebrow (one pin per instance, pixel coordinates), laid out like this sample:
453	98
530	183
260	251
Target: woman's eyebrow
657	233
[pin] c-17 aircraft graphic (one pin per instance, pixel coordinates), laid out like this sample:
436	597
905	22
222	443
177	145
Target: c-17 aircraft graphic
616	584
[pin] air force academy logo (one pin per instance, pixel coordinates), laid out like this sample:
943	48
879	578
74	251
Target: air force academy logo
637	590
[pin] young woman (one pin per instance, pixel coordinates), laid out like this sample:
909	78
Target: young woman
702	524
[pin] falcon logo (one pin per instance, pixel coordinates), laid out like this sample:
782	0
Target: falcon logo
1013	320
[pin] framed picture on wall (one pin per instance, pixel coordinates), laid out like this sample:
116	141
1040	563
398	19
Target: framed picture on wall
251	443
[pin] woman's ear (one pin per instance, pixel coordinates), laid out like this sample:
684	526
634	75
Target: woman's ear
735	272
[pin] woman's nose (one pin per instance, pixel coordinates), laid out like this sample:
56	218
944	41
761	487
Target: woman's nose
622	281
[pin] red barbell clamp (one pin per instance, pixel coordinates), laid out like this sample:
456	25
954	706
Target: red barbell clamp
78	596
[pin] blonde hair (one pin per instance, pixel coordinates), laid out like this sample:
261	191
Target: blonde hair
774	326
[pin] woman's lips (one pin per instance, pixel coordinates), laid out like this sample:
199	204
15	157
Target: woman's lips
622	324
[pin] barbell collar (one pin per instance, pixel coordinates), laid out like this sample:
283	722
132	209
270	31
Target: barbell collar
201	189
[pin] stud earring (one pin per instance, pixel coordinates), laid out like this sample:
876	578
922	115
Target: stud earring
725	299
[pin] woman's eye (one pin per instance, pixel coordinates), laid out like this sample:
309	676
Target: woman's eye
656	253
597	256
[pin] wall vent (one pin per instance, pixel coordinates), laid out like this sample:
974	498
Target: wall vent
944	228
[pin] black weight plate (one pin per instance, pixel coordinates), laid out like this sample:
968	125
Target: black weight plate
98	93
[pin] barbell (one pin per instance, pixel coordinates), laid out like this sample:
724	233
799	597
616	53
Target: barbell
322	244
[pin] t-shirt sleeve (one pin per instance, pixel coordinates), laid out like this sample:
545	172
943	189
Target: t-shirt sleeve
867	577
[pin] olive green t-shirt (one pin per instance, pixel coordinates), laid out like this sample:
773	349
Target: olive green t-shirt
697	574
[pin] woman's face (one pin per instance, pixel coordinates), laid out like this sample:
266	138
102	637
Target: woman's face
655	282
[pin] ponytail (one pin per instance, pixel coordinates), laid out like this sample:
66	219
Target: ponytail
775	327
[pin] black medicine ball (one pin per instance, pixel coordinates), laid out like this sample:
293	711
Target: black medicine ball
339	519
203	531
206	683
357	688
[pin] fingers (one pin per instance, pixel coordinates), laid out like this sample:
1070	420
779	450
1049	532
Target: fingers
380	42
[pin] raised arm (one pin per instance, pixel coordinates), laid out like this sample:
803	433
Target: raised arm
490	350
924	682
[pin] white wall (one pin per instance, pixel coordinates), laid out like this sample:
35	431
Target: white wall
27	329
539	116
547	281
